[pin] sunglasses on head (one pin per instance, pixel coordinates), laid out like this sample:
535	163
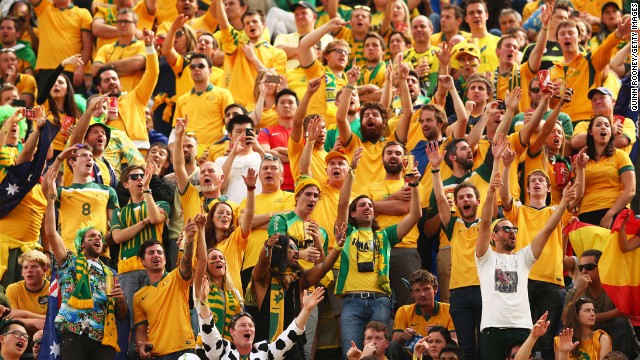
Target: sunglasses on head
588	267
362	7
135	176
270	157
200	66
506	228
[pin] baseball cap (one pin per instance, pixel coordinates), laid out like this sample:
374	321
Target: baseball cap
335	153
107	130
601	89
614	3
304	4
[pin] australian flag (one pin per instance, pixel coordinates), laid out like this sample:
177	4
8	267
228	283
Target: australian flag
20	179
50	345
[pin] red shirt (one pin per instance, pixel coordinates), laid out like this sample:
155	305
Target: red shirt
278	136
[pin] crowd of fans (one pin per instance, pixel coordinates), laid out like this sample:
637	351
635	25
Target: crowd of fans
269	179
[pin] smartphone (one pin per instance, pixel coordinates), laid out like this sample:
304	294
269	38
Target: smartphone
274	79
502	105
18	103
249	133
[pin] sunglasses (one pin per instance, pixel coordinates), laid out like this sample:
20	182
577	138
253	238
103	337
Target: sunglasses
179	33
535	90
238	316
506	228
270	157
135	176
37	342
200	66
6	50
589	266
120	22
363	7
293	247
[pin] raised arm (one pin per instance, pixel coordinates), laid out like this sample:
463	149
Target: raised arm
386	20
316	273
227	167
306	51
261	270
415	211
344	129
168	50
387	88
51	79
201	255
186	262
565	344
535	58
498	146
55	241
538	242
549	123
435	159
459	128
511	101
87	51
505	195
617	63
475	135
539	329
179	167
342	217
630	244
297	129
628	179
221	15
313	132
402	130
247	217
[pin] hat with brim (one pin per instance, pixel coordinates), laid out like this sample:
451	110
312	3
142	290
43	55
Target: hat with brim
303	4
466	48
611	3
107	130
601	89
334	154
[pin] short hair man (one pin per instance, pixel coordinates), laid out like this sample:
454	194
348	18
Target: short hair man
376	342
10	39
509	18
10	74
476	16
608	317
451	17
28	297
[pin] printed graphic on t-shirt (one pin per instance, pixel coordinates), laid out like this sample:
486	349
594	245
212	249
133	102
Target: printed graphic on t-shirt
506	281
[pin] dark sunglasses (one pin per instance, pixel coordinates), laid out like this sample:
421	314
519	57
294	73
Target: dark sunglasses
535	90
200	66
37	342
135	176
506	228
270	157
589	266
179	33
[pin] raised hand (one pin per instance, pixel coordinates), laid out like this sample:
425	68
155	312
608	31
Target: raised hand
75	60
353	74
498	144
336	24
201	220
566	97
249	51
513	98
149	170
569	192
311	300
421	347
495	182
190	229
341	234
181	125
357	155
508	155
204	289
179	22
545	14
444	55
541	326
250	179
433	153
314	129
149	37
314	85
566	344
354	353
446	81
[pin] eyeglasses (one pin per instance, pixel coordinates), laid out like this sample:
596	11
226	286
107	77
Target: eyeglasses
37	342
120	22
588	267
179	33
363	7
506	228
341	51
270	157
18	335
200	66
135	176
535	90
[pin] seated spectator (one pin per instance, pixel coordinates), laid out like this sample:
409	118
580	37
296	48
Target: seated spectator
425	318
105	25
10	74
8	93
376	342
126	55
10	27
13	339
579	339
606	316
28	296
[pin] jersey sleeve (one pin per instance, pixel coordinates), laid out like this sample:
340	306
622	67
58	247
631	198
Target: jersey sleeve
400	322
164	206
215	346
277	225
229	43
115	220
624	162
113	199
392	235
139	316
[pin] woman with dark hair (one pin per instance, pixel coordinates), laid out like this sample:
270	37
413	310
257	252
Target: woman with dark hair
579	340
222	233
58	98
430	346
610	179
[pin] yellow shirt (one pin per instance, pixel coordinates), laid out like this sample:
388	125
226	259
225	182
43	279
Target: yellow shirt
323	102
519	76
581	75
380	191
410	316
529	9
233	249
603	184
22	298
264	204
67	175
628	130
206	112
63	33
326	212
26	84
110	14
166	11
373	76
593	7
415	58
79	203
538	161
297	81
192	202
162	306
463	238
184	82
240	74
529	220
115	52
371	169
438	38
357	46
488	58
204	23
318	165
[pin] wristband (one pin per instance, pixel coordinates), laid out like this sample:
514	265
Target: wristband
251	188
148	191
544	28
414	184
434	171
350	87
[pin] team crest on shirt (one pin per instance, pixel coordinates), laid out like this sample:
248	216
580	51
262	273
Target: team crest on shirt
43	300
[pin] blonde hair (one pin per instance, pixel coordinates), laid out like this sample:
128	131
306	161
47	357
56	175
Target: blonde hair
227	282
35	256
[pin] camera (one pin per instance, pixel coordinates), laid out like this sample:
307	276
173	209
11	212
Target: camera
365	266
502	105
274	79
28	113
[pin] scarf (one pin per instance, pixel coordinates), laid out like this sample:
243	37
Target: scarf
82	299
224	305
279	285
383	260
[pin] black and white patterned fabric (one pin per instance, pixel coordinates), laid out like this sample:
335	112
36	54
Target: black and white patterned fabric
218	348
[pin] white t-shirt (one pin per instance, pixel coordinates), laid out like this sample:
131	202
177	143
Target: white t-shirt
503	283
236	189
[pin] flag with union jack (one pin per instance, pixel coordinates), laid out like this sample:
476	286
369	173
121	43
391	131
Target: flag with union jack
50	345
